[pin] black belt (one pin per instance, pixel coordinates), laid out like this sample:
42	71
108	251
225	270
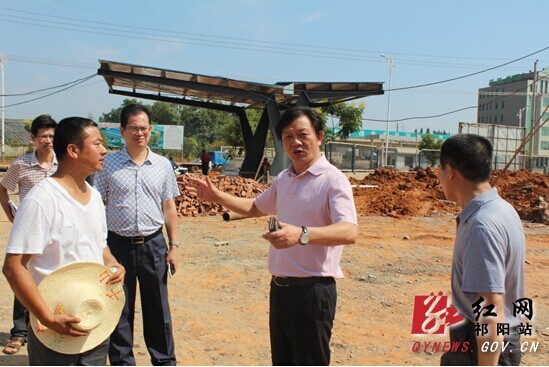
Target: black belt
138	240
292	281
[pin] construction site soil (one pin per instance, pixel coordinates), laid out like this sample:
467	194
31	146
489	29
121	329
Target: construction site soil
219	294
391	193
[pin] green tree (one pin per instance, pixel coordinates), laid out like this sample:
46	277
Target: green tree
114	114
428	141
164	113
191	148
349	116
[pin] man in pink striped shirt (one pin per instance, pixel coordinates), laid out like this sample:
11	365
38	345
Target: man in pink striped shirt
317	216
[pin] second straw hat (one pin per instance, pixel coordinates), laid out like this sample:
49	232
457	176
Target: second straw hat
80	290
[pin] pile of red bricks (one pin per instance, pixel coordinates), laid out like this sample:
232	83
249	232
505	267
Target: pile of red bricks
188	205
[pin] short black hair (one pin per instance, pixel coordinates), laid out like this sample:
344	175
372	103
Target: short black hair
470	154
70	131
132	110
293	113
42	122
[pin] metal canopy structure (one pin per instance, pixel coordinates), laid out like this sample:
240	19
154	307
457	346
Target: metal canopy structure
233	96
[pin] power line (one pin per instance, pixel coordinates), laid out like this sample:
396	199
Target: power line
472	74
220	44
373	52
51	94
49	88
454	111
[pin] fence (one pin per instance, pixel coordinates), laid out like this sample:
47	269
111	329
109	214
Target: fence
353	157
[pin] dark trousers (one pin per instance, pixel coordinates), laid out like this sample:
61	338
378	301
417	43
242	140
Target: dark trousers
465	332
19	320
146	263
40	355
205	168
301	320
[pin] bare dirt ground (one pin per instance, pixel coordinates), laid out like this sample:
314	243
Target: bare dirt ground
219	296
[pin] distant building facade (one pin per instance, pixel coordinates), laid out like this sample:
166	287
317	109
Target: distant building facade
510	101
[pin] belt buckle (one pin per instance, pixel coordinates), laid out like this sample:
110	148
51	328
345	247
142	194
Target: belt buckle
138	240
278	284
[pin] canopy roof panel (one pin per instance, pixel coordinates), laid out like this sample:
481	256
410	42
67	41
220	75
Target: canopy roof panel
136	80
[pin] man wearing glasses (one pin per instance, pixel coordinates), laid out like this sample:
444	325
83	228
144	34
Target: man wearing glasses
25	172
139	187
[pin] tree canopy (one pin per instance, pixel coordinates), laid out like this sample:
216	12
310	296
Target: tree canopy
210	129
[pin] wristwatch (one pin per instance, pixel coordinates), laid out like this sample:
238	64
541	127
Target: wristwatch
174	243
304	239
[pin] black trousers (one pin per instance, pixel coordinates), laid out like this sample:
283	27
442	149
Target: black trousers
19	320
301	320
465	332
146	263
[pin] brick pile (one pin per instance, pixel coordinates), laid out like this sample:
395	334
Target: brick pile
188	205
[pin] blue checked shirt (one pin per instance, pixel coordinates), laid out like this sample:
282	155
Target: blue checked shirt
135	194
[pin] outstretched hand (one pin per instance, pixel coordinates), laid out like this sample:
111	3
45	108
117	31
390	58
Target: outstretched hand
286	236
204	189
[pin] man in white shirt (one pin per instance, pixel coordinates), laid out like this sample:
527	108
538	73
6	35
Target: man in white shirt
60	222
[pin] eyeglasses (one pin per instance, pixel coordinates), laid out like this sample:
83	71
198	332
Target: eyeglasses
45	137
136	129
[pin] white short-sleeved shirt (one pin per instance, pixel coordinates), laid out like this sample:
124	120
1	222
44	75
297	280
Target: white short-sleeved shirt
58	230
320	196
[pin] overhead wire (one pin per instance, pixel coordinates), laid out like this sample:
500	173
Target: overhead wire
49	88
50	94
222	44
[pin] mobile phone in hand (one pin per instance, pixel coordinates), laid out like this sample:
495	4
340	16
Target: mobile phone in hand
170	271
273	224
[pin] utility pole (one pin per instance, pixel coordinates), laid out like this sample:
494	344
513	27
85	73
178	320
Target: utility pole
3	126
391	64
533	114
519	115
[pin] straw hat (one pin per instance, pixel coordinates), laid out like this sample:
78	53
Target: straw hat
80	290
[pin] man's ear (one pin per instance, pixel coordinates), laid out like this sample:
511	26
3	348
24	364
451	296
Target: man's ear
73	151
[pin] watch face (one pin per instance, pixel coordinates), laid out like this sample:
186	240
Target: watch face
304	236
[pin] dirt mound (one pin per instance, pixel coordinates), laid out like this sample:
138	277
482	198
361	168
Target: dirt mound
401	194
528	192
418	194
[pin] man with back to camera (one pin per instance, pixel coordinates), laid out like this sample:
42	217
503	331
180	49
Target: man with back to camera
53	228
316	212
139	188
489	253
25	172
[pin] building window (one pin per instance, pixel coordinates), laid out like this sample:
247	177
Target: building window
502	104
501	118
545	131
545	145
496	105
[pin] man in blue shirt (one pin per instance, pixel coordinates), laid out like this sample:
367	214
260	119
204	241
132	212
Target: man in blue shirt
139	188
489	252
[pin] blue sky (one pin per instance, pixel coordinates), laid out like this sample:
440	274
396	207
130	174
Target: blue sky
269	41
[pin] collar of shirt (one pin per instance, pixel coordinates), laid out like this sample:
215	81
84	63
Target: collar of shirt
127	159
34	160
477	203
317	168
